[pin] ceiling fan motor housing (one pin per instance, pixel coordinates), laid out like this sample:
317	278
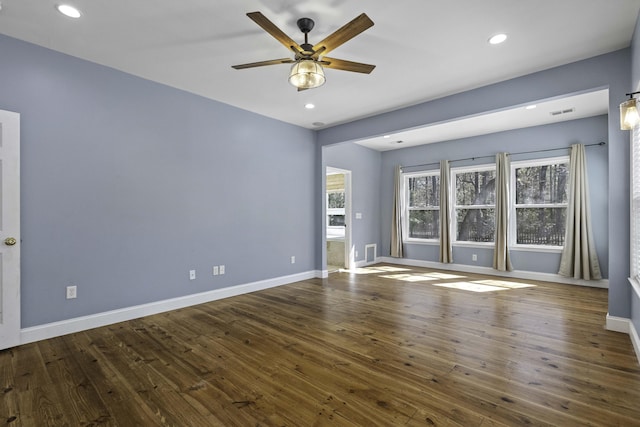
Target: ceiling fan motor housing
305	24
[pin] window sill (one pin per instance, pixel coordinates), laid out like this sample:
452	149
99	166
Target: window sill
485	245
532	248
420	242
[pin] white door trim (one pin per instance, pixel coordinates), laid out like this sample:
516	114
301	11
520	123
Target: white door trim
349	249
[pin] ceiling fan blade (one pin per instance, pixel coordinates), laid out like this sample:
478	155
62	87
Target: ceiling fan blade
276	32
263	63
341	64
344	34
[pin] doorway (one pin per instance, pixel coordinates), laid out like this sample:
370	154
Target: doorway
338	219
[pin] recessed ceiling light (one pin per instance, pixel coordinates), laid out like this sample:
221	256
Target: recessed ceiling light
309	106
387	136
498	38
530	107
68	10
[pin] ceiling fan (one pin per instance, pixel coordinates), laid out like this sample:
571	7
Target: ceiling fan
307	71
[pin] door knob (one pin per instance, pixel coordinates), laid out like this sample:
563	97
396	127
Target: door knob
10	241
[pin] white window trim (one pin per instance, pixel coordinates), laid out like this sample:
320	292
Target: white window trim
452	203
513	226
334	211
634	196
405	206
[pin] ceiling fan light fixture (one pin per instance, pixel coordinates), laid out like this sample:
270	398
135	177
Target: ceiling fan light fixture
306	74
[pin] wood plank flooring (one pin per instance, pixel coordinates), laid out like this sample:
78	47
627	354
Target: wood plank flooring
386	345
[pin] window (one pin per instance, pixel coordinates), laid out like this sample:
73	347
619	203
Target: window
474	203
335	209
422	202
539	193
635	203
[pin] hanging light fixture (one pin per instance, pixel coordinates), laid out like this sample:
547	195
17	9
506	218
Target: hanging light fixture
629	116
306	74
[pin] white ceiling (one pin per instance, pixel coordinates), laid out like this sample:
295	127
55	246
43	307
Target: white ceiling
423	49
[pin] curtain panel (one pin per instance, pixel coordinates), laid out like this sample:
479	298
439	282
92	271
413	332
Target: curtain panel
446	255
501	256
579	258
396	217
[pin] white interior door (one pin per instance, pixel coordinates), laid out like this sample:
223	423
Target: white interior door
9	229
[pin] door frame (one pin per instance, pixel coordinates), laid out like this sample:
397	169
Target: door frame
349	250
10	228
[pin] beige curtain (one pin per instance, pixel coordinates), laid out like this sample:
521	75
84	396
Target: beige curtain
579	258
501	257
396	218
446	255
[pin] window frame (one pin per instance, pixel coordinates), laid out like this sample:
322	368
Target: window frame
634	207
453	214
406	208
335	211
513	225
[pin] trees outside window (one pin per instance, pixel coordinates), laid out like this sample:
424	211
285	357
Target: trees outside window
474	203
422	199
539	193
335	209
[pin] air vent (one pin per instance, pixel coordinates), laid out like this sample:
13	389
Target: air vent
559	112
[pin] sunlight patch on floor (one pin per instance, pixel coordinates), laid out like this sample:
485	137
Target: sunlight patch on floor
376	270
484	285
410	277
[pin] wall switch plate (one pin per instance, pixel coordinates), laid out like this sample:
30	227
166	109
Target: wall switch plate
215	270
293	260
356	254
358	215
192	275
72	292
474	257
222	269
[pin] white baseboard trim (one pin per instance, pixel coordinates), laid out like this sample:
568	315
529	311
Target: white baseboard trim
63	327
618	324
526	275
364	263
621	324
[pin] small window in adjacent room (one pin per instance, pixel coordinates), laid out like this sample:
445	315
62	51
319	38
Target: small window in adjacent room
335	209
474	203
422	206
539	201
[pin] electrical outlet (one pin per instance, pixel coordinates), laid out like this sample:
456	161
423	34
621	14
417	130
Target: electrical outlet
72	292
215	270
221	269
192	275
293	260
474	257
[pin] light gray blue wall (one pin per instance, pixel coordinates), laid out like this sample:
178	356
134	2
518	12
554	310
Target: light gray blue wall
128	184
634	87
612	71
364	165
584	131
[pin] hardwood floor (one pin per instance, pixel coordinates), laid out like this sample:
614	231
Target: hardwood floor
387	345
